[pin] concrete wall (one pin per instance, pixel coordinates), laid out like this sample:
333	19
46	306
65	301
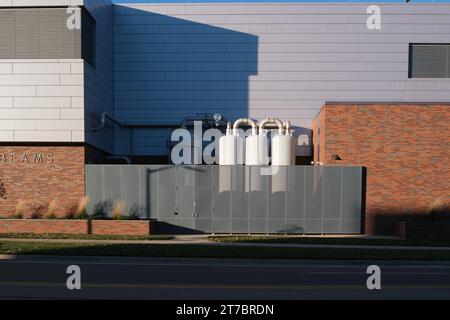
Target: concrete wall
41	100
265	60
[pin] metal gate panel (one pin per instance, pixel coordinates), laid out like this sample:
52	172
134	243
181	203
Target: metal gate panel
236	199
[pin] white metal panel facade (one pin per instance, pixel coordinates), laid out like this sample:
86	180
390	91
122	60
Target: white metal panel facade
265	60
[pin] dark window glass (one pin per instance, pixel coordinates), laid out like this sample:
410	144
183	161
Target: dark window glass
88	39
429	61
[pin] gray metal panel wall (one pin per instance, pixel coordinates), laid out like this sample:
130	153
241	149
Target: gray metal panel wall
172	60
236	199
98	81
37	33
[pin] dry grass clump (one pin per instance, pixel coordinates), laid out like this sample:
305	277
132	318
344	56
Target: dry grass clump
19	211
51	210
78	210
119	210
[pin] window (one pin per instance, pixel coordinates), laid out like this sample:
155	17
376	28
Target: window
37	33
88	38
42	33
429	61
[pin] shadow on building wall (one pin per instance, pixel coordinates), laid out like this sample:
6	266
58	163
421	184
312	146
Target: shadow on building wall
167	68
382	221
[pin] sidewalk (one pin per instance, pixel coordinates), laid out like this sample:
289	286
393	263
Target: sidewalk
203	240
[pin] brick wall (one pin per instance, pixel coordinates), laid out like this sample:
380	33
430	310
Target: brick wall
122	227
98	227
405	147
40	174
44	226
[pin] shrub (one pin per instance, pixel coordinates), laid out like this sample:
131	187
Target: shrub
81	215
135	212
19	211
51	210
77	210
102	210
51	216
81	212
118	210
38	210
71	212
3	193
18	215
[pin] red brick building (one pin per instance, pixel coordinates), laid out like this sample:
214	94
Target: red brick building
405	148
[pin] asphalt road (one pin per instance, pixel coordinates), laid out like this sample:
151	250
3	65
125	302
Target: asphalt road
43	277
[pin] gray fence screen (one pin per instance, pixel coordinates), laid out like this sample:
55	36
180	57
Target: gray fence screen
235	199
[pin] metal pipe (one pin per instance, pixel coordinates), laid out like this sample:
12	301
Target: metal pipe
287	128
228	132
267	121
240	121
107	117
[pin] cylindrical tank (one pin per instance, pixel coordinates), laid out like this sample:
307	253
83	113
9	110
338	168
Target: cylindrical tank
256	150
231	148
283	148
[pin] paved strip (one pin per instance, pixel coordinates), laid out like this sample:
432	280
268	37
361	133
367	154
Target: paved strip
229	244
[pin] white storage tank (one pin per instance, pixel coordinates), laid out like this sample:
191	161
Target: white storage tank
283	148
231	153
231	148
256	150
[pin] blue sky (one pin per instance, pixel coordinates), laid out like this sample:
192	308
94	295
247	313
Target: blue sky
274	1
